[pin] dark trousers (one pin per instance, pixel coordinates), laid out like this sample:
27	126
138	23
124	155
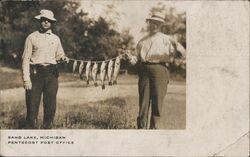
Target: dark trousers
44	81
153	81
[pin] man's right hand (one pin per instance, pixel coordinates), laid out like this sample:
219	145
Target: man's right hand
27	85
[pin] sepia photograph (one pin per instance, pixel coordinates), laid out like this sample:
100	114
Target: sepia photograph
124	78
93	65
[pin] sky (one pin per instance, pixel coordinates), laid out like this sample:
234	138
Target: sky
132	13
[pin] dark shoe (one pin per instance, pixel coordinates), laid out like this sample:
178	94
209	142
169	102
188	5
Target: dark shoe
30	124
103	86
47	126
141	124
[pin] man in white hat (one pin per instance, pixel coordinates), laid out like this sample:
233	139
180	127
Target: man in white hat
42	51
152	54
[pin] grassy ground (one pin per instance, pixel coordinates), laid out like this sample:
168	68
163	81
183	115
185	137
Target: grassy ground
12	78
113	113
87	107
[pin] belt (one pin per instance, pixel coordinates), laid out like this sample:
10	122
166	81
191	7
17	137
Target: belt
44	68
43	65
159	63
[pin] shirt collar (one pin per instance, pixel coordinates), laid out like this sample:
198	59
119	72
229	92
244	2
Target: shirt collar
47	32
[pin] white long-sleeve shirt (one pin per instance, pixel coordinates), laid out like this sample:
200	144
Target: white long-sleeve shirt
40	48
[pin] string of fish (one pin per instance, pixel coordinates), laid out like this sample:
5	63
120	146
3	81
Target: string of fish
113	70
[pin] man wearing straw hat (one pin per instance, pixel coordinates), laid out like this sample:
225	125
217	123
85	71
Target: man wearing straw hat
152	55
42	51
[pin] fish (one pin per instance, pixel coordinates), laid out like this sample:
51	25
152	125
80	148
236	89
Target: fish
81	70
110	71
103	73
94	73
74	66
87	72
116	69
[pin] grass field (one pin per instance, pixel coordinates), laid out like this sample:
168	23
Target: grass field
87	107
12	78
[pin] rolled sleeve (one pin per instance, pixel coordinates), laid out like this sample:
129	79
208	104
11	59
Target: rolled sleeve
26	59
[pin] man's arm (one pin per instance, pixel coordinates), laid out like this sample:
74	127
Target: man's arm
59	51
178	47
181	49
26	63
135	57
26	59
60	55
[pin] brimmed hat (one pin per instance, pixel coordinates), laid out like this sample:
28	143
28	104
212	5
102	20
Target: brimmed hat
46	14
157	17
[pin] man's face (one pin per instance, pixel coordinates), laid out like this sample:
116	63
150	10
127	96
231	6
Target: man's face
153	26
45	23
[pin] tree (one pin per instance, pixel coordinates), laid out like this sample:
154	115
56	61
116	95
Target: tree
81	36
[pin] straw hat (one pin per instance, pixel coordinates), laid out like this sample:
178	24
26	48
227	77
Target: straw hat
46	14
157	17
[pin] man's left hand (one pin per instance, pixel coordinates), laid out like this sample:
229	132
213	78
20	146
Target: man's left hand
65	59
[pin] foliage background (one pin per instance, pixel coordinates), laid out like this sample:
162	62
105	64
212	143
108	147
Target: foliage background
82	36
